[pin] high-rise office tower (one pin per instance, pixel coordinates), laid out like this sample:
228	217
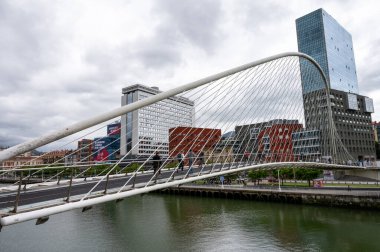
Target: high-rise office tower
146	130
320	36
324	39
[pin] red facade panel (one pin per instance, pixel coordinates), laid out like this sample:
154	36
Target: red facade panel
275	142
184	139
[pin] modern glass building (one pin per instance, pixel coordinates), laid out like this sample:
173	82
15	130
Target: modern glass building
323	38
320	36
146	130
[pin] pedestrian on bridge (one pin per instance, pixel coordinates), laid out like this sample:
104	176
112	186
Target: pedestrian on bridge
180	159
201	159
246	156
156	162
190	156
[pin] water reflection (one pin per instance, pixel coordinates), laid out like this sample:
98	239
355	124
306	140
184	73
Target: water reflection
172	223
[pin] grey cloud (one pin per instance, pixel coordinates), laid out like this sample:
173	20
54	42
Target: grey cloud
15	130
369	75
24	46
257	14
109	64
158	56
135	60
180	23
370	80
194	21
7	140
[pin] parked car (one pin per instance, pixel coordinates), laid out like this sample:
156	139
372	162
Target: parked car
272	179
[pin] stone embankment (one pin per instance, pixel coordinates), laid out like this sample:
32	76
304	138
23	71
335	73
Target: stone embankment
365	198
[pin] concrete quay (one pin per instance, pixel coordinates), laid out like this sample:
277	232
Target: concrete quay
348	197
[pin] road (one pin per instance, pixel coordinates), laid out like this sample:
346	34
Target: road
35	195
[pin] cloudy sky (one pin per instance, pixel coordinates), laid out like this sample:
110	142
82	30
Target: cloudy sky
62	61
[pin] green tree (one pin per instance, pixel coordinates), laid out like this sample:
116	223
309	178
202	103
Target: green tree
256	175
230	177
307	174
279	174
289	172
133	167
286	173
377	146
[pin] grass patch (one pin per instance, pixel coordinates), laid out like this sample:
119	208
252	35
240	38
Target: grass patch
331	185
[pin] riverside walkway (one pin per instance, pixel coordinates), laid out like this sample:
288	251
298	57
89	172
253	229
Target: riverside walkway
348	196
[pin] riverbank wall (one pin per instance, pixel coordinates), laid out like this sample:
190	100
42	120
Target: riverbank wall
347	198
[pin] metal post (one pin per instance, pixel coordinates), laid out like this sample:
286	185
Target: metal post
18	194
134	179
27	182
85	173
279	186
105	189
70	185
59	179
62	174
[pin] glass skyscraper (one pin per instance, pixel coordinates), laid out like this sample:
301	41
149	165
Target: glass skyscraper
320	36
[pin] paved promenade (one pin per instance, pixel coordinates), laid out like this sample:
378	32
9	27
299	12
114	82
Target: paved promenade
359	198
327	190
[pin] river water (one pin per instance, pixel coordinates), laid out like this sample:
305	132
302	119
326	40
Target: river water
156	222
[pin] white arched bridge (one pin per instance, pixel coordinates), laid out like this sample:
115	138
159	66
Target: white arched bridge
268	120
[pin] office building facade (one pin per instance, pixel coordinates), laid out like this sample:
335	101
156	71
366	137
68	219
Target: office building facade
307	145
146	130
84	152
59	156
184	139
320	36
26	159
352	117
324	39
268	141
